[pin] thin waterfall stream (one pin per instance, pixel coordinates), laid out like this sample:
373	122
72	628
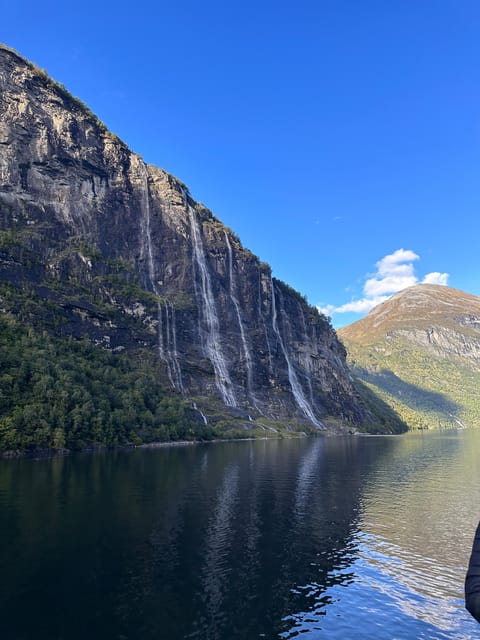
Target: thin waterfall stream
168	352
203	290
246	351
295	385
202	415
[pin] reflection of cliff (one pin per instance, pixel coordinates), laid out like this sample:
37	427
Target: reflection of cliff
154	554
293	544
265	518
219	543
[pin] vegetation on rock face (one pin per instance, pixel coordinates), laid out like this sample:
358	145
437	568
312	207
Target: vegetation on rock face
58	394
426	391
385	420
418	353
67	394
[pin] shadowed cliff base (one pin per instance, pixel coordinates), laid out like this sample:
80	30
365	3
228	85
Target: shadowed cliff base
410	394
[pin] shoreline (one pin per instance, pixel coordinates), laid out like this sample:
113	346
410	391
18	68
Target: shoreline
39	454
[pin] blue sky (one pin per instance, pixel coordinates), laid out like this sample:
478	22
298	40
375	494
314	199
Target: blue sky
338	138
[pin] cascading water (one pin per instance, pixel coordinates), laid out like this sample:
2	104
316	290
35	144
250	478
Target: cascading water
208	312
161	348
202	415
307	339
262	317
295	385
172	353
146	250
246	350
168	355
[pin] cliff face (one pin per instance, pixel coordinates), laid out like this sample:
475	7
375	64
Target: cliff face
96	243
420	351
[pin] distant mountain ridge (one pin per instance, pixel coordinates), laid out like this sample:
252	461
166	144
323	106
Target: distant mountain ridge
420	350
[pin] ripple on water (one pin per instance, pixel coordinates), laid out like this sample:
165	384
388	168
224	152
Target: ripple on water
386	593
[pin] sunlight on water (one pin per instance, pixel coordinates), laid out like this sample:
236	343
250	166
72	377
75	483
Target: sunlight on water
382	596
403	572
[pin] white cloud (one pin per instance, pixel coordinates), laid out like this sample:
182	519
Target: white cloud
389	284
327	310
360	306
394	272
436	278
393	260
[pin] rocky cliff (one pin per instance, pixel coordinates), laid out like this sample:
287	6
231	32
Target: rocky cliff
420	351
96	243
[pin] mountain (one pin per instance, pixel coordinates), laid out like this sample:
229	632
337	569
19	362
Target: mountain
420	351
100	248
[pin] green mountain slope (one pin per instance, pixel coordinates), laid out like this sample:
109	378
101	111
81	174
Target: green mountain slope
420	351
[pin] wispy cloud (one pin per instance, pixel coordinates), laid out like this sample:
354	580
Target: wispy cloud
394	272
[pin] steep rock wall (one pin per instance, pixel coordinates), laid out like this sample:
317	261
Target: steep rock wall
126	256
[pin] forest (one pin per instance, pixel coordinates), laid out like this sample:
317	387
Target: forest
58	393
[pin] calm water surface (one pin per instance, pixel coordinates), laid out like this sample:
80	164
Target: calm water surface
334	538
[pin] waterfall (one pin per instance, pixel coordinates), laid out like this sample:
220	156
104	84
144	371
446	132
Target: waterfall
262	317
146	231
167	354
172	344
167	343
458	421
203	416
246	350
203	290
161	348
295	385
307	340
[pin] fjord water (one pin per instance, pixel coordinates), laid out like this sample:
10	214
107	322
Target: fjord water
328	538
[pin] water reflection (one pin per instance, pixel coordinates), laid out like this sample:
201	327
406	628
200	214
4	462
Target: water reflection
308	468
330	538
408	558
217	566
